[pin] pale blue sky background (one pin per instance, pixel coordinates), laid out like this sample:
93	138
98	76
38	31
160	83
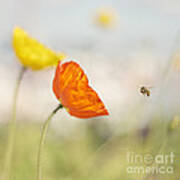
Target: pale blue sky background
118	61
68	24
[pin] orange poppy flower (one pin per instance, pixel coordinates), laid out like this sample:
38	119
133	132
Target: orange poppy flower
71	88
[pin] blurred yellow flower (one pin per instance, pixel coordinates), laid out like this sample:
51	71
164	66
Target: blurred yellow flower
176	61
33	54
175	123
106	17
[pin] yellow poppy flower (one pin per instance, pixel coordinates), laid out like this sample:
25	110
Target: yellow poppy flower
106	17
175	123
33	54
176	61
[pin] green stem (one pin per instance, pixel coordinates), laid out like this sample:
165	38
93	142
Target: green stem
12	128
42	140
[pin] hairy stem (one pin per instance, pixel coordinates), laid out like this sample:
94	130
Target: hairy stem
12	128
42	140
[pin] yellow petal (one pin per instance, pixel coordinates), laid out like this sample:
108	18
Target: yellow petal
175	123
33	54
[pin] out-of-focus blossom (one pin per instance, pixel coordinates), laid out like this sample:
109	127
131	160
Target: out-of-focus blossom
72	89
175	123
176	61
106	17
33	54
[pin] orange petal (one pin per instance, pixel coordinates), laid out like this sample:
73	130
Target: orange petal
71	87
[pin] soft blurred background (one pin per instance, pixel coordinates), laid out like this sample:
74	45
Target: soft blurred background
122	45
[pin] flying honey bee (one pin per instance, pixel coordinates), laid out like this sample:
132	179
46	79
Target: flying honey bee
145	91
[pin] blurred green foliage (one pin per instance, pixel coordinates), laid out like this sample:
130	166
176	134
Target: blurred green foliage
89	153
